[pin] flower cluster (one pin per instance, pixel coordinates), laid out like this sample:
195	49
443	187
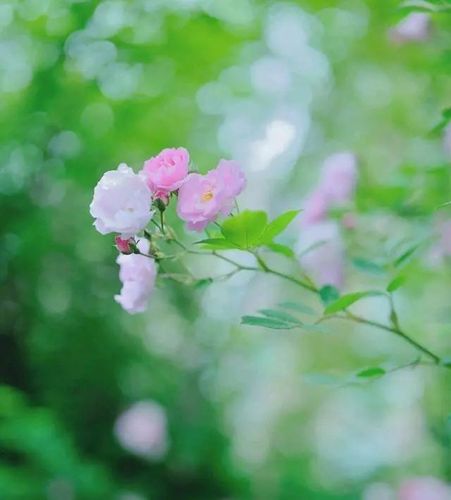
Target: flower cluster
124	203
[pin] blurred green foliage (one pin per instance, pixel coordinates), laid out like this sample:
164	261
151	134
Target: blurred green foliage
71	361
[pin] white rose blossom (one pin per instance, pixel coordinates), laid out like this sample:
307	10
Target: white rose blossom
137	273
121	202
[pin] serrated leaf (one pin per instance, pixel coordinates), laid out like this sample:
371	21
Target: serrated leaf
282	249
280	315
395	283
216	244
346	300
328	294
296	306
277	226
375	371
264	322
245	229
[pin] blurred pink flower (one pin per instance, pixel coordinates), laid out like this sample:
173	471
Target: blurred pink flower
445	236
336	187
142	430
322	255
203	197
349	221
167	171
424	488
447	140
121	202
315	208
442	248
339	178
415	27
138	274
320	237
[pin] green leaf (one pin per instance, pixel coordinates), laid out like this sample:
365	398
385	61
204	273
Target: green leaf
313	246
346	300
216	244
245	229
406	255
280	315
395	283
296	306
328	294
282	249
425	7
203	282
446	118
444	205
375	371
278	225
271	323
368	266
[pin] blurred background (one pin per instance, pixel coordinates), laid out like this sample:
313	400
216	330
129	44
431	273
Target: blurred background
182	401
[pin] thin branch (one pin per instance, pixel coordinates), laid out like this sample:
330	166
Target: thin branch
396	331
263	267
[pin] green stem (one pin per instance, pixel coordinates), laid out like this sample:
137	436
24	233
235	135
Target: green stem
162	221
266	269
261	262
297	281
397	332
263	267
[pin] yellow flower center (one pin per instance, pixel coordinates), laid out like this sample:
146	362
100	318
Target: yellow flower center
207	196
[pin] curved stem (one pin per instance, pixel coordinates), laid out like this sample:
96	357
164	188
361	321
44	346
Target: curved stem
263	267
297	281
396	331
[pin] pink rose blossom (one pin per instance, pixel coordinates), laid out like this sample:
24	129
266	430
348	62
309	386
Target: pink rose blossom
322	255
138	274
232	177
203	197
121	202
142	430
124	245
167	171
424	488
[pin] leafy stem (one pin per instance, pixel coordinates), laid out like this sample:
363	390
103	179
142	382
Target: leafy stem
394	326
397	331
